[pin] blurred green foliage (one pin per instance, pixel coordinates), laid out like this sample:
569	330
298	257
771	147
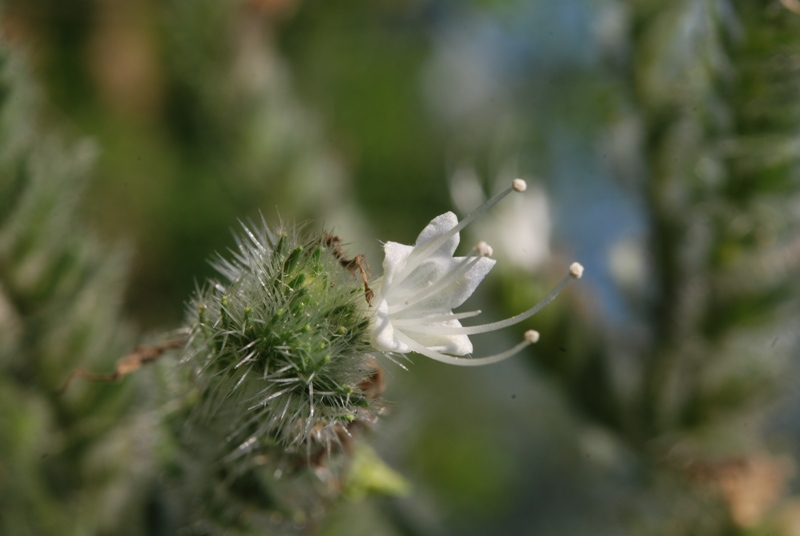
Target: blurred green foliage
70	463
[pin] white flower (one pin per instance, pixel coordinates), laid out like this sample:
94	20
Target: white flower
422	284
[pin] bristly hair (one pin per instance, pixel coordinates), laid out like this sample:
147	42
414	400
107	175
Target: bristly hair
279	347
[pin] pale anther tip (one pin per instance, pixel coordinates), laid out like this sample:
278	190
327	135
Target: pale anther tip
531	336
519	185
576	270
484	249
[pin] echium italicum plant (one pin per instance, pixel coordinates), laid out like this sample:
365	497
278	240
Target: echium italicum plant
286	344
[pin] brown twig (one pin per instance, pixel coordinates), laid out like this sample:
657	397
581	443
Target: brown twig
358	262
140	355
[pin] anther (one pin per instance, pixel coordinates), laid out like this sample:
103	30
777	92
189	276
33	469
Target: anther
532	336
576	270
519	185
483	249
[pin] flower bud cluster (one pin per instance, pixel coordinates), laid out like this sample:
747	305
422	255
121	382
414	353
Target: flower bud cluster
279	346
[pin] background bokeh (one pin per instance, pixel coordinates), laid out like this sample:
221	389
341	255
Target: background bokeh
659	140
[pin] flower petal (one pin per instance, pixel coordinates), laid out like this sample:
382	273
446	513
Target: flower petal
439	226
396	256
382	332
455	292
446	344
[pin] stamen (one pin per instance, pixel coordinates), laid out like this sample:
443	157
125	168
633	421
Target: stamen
422	252
493	326
576	270
465	265
530	337
434	318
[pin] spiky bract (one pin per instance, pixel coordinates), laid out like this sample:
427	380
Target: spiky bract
279	347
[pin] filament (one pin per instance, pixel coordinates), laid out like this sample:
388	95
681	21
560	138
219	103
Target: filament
530	338
493	326
435	318
423	251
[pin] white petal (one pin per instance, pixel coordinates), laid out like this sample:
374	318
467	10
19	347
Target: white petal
439	226
422	277
456	292
394	261
382	332
446	344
